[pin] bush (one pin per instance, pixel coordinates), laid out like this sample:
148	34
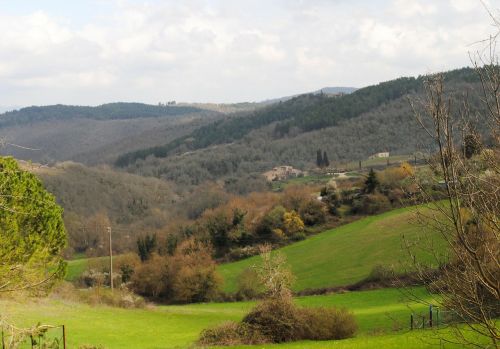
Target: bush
327	323
277	320
231	333
371	204
313	212
150	278
380	273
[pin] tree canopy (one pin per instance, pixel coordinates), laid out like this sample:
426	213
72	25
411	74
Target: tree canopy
32	233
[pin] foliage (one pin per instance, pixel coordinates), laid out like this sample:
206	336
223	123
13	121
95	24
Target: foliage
188	275
103	112
312	212
371	204
150	278
32	233
292	223
307	112
145	246
371	183
346	255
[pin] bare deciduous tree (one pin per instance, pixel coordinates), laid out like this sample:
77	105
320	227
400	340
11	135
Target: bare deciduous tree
467	162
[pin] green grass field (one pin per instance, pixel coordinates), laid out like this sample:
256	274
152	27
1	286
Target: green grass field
344	255
77	266
379	313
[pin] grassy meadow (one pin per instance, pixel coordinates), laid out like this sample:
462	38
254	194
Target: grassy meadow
343	255
382	316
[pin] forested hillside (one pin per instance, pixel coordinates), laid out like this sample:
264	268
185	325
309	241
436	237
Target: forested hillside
299	115
94	135
110	111
94	198
258	144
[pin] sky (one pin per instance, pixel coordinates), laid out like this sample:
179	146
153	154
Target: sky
99	51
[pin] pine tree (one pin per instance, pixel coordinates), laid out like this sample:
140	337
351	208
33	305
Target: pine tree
371	182
326	162
32	233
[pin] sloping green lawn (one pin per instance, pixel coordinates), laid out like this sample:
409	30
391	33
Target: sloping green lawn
344	255
77	266
378	311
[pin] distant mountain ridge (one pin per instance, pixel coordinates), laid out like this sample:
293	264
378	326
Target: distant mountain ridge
110	111
325	90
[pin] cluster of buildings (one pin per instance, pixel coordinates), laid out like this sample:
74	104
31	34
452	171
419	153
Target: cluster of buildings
281	173
384	154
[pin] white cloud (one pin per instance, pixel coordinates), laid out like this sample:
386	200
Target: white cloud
202	50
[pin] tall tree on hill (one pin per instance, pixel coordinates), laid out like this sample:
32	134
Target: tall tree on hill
326	162
371	183
319	158
145	246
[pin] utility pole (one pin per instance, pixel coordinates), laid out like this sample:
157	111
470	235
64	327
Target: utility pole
110	260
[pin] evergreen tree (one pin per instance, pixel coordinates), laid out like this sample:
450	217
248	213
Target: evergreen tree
32	233
326	162
145	246
371	182
319	158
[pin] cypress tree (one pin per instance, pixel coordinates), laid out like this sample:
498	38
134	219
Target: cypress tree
319	158
326	162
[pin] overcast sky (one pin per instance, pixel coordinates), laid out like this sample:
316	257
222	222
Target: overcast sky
99	51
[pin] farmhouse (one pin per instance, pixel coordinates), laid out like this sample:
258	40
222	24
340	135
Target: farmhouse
380	155
281	173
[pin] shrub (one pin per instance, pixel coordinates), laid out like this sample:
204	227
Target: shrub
326	323
231	333
224	334
312	212
292	223
150	279
371	204
277	319
193	273
380	273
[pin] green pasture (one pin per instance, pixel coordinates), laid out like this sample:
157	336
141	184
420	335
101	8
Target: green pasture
382	316
343	255
76	267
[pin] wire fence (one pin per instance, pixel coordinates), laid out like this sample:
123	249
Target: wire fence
434	318
37	337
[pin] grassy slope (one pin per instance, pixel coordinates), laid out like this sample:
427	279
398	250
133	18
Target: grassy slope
343	255
77	266
179	326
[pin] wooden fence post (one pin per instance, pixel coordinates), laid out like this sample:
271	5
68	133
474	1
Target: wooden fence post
64	336
411	322
430	315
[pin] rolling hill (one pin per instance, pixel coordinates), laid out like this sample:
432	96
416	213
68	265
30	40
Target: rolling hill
94	135
305	113
350	127
344	255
